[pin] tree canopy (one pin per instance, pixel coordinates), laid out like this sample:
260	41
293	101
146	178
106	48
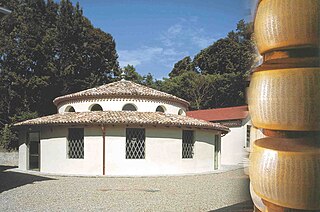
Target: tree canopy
49	49
216	77
181	67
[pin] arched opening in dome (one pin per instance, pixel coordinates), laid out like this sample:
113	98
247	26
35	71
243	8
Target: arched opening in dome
161	109
129	107
69	109
181	112
96	107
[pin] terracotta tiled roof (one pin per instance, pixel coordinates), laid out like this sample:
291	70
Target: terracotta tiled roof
121	88
122	118
220	114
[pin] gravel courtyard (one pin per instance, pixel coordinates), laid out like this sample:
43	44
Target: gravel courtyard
28	192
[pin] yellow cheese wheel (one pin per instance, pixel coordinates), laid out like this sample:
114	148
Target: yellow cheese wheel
284	24
285	99
257	201
286	172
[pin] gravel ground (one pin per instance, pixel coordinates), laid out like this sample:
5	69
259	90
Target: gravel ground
26	192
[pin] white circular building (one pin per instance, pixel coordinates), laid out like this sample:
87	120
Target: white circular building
121	128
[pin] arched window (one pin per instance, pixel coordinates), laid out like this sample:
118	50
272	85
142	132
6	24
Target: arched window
181	112
161	109
96	107
129	107
70	109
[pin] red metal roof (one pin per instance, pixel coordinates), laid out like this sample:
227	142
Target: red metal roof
220	114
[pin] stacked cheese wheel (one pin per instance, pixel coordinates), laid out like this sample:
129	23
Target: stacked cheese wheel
286	171
285	24
284	100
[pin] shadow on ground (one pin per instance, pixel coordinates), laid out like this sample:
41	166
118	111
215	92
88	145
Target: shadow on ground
246	206
11	179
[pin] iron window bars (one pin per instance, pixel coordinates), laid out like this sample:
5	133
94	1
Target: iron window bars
187	144
76	143
135	143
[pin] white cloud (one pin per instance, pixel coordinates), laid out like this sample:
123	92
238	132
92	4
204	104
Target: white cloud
148	54
202	41
137	56
186	33
174	30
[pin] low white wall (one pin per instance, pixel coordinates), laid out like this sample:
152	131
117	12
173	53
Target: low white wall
116	104
163	152
9	158
233	150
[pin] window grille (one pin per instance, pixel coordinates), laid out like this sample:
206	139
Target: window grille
135	143
187	144
76	143
248	136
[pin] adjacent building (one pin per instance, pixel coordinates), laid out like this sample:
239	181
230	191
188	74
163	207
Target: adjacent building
121	128
235	145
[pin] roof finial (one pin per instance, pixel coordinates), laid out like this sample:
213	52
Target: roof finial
123	75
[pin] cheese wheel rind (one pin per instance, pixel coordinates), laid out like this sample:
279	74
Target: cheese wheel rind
285	24
286	172
285	99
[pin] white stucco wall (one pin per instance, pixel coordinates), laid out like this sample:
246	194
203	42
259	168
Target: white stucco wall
54	155
23	150
233	150
116	104
163	152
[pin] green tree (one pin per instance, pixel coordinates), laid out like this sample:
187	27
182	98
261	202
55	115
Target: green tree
181	67
190	86
49	49
148	81
8	139
85	56
131	74
225	65
45	46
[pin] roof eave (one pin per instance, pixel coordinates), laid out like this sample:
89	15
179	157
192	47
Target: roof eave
18	125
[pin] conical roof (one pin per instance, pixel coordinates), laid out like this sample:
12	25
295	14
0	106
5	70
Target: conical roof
122	88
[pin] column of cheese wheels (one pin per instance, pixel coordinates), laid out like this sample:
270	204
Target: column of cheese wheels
284	100
255	134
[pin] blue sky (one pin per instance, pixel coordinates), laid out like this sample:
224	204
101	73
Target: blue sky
154	35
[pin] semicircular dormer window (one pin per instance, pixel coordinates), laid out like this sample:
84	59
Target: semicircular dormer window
161	109
129	107
96	107
70	109
181	112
